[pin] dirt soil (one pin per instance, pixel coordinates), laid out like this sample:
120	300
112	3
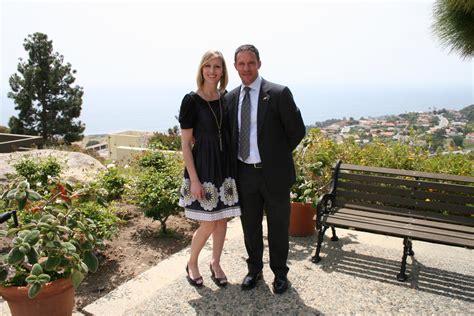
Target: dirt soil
138	247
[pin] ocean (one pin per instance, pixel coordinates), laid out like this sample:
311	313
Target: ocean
115	109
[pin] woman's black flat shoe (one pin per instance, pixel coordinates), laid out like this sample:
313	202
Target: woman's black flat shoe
197	282
220	282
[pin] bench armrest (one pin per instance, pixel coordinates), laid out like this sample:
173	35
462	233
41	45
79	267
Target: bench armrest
324	205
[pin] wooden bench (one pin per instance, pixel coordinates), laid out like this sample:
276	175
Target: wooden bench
431	207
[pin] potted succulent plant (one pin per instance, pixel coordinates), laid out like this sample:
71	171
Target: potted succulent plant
51	250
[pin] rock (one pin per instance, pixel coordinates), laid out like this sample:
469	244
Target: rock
76	167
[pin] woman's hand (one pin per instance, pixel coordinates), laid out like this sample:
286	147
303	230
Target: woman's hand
197	190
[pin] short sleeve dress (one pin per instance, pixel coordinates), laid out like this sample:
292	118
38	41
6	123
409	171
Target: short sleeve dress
212	159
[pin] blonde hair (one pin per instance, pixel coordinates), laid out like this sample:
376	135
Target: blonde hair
209	55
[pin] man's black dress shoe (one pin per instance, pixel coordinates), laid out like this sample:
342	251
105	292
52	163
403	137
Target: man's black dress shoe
250	281
280	285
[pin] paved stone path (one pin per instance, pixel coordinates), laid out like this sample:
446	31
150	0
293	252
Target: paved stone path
356	276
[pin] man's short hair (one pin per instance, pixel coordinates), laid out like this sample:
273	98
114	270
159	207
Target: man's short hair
246	47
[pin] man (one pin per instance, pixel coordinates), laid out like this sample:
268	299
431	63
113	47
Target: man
266	126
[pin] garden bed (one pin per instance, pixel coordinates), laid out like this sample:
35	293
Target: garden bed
138	247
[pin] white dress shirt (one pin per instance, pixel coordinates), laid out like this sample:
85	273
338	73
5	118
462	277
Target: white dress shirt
254	92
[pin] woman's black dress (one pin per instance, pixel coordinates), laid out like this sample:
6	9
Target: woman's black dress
212	159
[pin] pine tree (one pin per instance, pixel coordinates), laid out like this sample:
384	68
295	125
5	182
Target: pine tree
44	94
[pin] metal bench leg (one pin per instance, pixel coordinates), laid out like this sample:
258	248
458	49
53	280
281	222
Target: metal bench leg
316	258
334	236
410	249
406	251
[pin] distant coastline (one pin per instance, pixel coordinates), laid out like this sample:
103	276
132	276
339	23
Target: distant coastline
109	110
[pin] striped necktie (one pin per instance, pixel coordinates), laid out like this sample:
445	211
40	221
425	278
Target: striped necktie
244	149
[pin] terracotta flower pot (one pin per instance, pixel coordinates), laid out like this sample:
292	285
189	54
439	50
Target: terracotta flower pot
302	219
55	299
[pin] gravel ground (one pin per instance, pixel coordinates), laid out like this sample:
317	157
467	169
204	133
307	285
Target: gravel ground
356	276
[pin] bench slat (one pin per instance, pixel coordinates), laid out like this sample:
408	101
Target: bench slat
394	200
407	220
450	187
408	193
399	222
462	220
398	232
401	172
355	221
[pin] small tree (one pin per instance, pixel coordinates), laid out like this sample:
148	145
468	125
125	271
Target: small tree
454	25
43	93
158	186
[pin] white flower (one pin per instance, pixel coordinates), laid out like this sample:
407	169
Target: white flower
293	195
186	197
110	166
228	192
210	198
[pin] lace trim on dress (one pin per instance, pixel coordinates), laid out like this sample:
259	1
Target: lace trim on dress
227	194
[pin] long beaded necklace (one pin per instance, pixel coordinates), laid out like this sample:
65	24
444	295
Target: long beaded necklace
219	124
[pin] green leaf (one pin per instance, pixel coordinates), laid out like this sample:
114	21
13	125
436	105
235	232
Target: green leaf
68	246
3	233
37	269
44	225
15	256
25	248
11	194
63	229
34	196
33	237
76	278
52	262
90	237
81	226
84	267
23	186
20	195
31	279
34	289
44	278
91	261
32	256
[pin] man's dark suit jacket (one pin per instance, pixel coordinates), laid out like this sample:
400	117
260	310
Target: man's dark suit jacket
280	128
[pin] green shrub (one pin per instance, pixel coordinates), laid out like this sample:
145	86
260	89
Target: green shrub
37	171
316	148
113	181
170	141
105	219
158	185
154	159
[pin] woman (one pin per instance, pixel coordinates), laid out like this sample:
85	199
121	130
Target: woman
209	191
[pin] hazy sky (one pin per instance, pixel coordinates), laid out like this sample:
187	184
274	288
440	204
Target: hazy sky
136	59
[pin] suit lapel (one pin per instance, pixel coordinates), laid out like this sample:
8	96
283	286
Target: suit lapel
263	99
235	111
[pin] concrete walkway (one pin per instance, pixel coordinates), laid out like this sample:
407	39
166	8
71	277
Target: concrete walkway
356	276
